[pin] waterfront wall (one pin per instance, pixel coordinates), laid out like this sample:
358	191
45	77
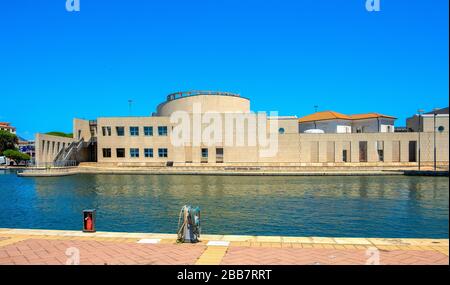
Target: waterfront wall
48	146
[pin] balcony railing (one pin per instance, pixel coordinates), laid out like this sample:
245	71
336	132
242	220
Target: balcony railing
182	94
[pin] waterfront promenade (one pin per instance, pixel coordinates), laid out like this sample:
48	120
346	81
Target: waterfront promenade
21	246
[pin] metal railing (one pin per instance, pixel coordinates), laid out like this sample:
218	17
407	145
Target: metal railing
45	170
181	94
65	153
56	164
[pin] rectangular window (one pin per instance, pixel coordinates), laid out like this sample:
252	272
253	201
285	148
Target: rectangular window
162	152
148	152
106	131
134	131
219	155
148	131
120	152
106	152
363	151
380	150
134	152
344	155
162	131
204	155
412	151
120	131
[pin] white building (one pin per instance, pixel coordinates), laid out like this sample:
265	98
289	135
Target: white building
372	123
334	122
4	126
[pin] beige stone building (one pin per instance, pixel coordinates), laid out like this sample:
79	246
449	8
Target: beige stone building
429	121
255	139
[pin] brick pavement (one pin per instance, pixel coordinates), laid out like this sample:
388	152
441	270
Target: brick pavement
59	247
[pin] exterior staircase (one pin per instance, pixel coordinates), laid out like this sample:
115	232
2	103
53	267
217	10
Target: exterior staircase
67	155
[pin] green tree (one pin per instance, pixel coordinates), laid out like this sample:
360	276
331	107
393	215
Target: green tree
7	141
60	134
16	155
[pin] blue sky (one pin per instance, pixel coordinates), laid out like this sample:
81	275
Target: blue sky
286	56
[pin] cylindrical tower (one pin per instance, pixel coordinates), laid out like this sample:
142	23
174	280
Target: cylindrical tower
209	101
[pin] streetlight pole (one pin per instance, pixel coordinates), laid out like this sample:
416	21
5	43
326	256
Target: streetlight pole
420	111
434	136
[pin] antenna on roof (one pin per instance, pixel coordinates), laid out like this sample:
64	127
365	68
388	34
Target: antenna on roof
130	102
315	108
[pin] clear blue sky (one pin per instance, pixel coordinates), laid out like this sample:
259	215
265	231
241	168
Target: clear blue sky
286	56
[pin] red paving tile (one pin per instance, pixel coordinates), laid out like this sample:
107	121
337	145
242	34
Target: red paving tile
51	251
39	251
314	256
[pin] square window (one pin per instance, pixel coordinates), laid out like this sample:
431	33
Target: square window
204	153
162	131
120	131
148	152
134	152
162	152
106	131
106	152
134	131
148	131
120	152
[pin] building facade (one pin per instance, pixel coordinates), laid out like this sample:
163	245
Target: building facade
334	122
4	126
435	120
254	140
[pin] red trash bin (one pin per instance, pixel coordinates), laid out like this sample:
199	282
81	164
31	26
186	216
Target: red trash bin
89	221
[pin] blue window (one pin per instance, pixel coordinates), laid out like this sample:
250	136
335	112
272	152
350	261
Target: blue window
120	131
162	131
134	152
281	131
134	131
162	152
148	152
148	131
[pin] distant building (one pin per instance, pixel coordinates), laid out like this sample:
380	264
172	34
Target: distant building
327	121
334	122
27	147
426	121
4	126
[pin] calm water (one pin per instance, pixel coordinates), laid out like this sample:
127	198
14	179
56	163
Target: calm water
391	206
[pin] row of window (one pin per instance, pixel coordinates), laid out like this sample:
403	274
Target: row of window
134	152
134	131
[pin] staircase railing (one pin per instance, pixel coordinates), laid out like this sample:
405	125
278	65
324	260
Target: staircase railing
66	153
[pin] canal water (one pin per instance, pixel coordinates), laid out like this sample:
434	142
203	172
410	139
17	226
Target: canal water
341	206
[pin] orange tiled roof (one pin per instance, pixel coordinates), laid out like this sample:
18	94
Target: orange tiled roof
6	125
331	115
325	115
370	116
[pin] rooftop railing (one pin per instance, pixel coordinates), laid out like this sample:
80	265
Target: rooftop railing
182	94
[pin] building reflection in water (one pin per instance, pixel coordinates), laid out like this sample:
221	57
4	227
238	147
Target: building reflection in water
390	206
